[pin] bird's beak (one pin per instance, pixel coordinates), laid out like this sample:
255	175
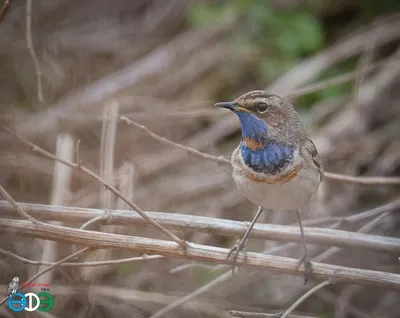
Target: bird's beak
228	105
232	106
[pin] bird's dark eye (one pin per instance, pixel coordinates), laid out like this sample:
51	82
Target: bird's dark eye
261	108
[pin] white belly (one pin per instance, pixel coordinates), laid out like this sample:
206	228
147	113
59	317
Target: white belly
291	195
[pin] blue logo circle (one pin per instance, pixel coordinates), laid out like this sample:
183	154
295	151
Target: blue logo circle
22	302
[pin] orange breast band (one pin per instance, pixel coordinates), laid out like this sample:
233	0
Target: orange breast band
283	178
251	144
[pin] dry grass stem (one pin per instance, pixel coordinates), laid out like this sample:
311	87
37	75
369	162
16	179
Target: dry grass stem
82	264
245	314
60	191
29	44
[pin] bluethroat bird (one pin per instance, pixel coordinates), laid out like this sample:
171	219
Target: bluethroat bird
276	166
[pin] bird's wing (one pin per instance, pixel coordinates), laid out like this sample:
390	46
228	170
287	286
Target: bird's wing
310	152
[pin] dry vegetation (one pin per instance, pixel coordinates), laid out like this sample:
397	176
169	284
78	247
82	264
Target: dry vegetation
70	70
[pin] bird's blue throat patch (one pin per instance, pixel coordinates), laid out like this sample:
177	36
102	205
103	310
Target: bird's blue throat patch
272	158
259	152
252	126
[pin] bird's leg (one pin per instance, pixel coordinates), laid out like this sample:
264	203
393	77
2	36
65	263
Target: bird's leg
240	245
308	269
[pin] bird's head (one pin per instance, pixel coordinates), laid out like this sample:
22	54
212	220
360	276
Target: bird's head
262	114
15	279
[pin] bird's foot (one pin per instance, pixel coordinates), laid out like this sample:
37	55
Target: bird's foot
235	253
308	269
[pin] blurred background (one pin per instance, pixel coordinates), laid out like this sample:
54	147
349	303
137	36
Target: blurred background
164	64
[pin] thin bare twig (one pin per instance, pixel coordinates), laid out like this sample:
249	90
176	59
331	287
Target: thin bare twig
50	268
361	180
82	264
367	227
357	216
183	267
221	160
85	225
29	44
4	9
92	221
222	278
244	314
89	172
175	144
305	296
15	205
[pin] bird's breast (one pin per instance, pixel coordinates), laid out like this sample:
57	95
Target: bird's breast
290	189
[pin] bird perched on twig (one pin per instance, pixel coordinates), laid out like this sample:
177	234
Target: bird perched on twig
13	286
276	166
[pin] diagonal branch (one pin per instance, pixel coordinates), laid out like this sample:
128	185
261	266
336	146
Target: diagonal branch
114	190
16	206
4	9
305	296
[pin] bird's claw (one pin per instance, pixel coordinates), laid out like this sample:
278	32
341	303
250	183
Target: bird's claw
308	268
234	251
